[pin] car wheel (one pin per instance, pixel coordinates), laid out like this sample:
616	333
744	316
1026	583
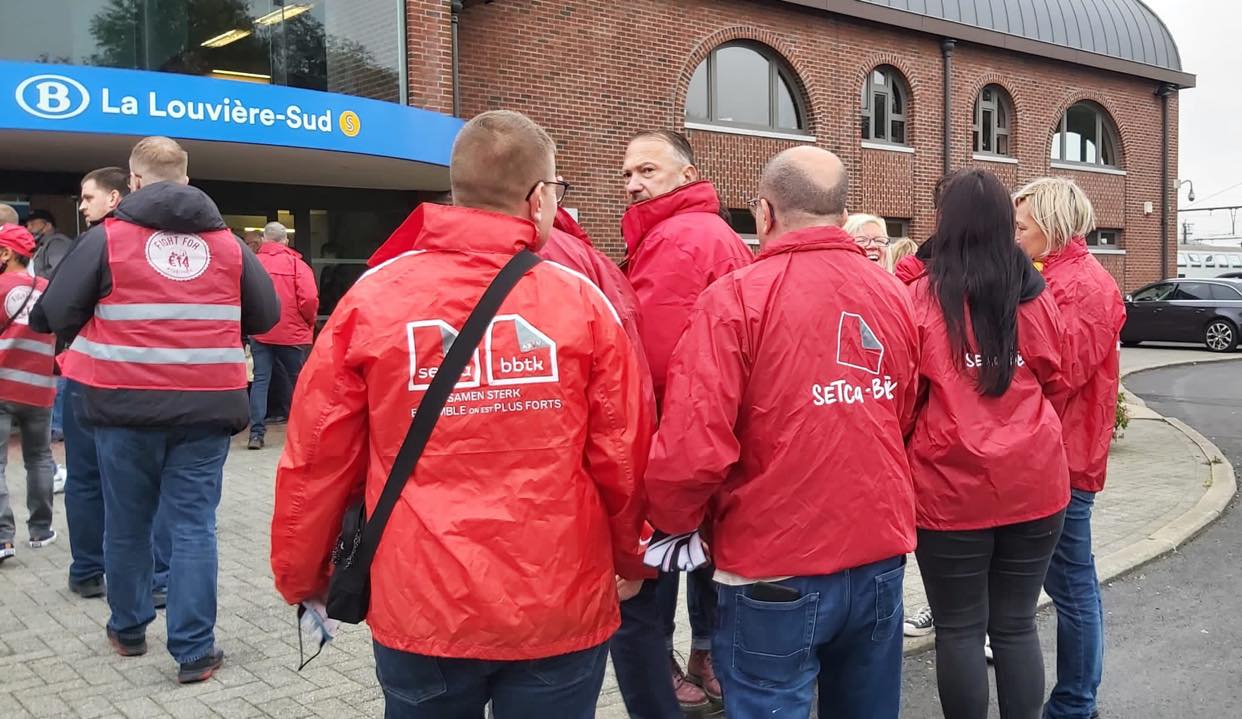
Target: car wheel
1220	336
1130	343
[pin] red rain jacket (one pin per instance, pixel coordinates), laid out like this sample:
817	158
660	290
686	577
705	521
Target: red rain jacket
788	398
299	296
1093	313
909	268
527	501
982	462
676	245
570	246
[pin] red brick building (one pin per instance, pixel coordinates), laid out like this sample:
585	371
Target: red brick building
866	79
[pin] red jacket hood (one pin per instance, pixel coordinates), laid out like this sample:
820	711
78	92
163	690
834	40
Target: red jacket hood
643	216
445	227
909	269
811	238
1076	248
276	249
566	223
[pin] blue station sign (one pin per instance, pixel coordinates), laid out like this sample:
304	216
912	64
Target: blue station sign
72	98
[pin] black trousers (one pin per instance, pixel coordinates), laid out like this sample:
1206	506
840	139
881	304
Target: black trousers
987	582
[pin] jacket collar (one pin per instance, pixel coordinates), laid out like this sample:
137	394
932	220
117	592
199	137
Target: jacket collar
567	224
642	217
461	229
1076	248
828	237
276	248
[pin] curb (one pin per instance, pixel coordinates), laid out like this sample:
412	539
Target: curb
1223	485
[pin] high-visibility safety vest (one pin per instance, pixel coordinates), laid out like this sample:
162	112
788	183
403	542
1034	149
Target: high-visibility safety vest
173	318
26	356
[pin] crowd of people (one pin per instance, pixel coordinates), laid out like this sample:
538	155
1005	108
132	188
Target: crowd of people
785	428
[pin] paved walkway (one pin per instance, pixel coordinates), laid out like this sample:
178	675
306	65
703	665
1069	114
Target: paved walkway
55	661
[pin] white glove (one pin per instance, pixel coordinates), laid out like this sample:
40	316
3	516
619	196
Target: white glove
676	553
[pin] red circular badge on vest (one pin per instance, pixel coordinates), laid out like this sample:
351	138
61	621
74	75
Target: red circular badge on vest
17	306
178	256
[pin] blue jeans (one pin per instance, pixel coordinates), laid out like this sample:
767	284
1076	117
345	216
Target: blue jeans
178	471
843	633
700	606
423	687
32	422
640	653
1075	589
265	356
58	405
84	503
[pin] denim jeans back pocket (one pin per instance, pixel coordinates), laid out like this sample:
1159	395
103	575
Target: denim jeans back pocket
772	640
888	603
568	669
407	678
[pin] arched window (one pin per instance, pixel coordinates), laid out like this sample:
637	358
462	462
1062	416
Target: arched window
1087	136
744	85
993	121
884	106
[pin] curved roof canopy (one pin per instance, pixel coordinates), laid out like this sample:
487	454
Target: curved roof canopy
1121	35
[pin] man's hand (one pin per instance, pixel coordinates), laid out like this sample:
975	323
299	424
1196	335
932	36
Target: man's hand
628	588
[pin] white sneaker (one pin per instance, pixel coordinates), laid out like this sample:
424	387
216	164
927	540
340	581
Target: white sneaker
987	647
41	543
58	479
919	624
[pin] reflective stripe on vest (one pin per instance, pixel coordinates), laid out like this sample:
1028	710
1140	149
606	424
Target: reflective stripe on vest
30	378
158	355
230	313
43	348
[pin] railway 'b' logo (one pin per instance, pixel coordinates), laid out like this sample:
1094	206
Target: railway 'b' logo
178	256
52	97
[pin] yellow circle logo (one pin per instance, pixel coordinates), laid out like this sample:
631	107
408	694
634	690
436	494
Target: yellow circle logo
350	124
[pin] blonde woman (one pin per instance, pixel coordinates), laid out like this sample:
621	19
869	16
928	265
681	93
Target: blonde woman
1053	219
871	234
899	249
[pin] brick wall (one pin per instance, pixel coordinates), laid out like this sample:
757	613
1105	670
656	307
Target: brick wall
595	72
429	59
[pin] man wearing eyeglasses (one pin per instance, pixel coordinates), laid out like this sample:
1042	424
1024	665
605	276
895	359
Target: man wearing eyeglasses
676	245
498	574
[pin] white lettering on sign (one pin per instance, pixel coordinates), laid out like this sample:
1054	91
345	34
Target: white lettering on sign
975	361
845	392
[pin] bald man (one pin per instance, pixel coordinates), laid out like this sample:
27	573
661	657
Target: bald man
8	216
497	576
787	402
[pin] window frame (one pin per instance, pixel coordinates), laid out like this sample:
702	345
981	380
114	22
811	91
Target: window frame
1002	104
1105	131
896	86
778	73
1116	244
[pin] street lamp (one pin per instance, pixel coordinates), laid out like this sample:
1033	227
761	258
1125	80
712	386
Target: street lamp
1191	196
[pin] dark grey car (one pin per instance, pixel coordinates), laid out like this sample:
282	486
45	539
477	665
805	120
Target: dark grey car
1186	310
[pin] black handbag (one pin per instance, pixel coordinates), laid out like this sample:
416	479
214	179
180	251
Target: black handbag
349	589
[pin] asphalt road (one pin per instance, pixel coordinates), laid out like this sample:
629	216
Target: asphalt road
1173	627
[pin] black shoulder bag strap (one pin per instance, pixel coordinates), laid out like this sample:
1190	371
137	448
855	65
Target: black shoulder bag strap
437	394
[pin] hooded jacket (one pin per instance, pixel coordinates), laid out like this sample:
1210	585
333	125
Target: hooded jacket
1093	313
52	250
676	245
569	245
299	297
788	399
84	277
980	462
527	500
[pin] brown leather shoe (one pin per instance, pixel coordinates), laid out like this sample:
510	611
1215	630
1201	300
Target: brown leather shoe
691	697
701	671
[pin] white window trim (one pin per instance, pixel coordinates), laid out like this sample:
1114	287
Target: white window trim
1086	168
731	130
1104	251
988	157
887	147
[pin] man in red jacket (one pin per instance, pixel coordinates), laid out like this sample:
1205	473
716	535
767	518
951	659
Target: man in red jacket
677	244
497	574
26	389
787	402
287	342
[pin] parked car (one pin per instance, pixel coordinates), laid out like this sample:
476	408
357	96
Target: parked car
1185	310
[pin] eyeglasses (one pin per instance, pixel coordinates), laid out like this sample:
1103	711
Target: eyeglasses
559	186
880	241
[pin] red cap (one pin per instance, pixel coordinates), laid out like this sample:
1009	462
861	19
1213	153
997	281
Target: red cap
18	239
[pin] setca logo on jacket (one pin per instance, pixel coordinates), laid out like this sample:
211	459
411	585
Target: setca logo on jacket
858	348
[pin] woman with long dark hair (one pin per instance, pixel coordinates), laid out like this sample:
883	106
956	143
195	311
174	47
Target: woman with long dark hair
986	454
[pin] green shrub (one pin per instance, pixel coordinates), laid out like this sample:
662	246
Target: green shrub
1123	415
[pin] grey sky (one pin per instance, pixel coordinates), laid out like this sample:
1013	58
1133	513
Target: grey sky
1206	32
